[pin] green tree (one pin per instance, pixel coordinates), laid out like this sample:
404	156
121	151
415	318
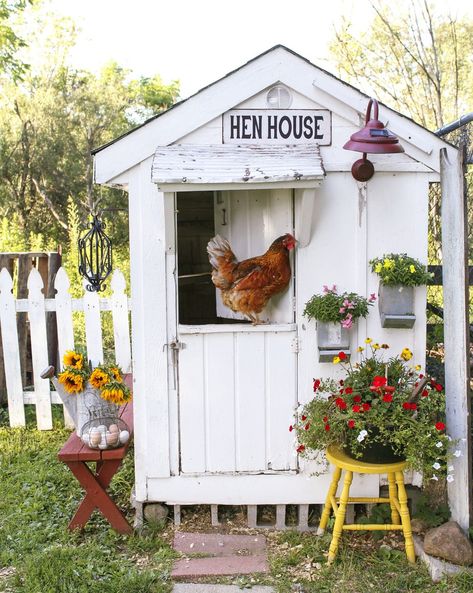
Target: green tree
49	125
10	41
413	57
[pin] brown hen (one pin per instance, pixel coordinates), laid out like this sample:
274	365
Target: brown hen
248	285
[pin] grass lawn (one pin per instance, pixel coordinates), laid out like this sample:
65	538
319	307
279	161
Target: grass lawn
38	555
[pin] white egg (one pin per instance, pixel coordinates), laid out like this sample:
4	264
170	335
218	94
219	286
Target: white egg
86	438
102	428
124	437
95	437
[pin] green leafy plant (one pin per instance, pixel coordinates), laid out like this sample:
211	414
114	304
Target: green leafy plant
342	308
399	268
382	400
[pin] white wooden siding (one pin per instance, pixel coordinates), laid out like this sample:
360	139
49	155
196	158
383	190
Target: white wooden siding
237	394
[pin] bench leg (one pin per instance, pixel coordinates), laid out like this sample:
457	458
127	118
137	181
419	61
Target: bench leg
96	496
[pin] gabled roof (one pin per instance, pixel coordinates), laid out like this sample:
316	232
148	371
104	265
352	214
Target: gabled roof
278	64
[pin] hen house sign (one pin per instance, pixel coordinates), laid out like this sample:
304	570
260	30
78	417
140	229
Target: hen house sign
277	126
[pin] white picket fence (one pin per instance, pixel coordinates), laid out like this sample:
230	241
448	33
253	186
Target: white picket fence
63	304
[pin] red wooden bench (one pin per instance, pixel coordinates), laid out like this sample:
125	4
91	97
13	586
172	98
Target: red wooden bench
76	455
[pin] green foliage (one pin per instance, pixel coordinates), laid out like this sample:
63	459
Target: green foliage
10	41
39	496
432	514
414	56
399	268
333	307
375	403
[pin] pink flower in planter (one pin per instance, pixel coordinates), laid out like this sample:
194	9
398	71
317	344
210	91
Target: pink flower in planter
341	310
347	322
372	297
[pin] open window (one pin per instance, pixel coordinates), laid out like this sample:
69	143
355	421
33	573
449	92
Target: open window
250	220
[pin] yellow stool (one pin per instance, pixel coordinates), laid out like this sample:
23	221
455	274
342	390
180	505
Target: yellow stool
397	500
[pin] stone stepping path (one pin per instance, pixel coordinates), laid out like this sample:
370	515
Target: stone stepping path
195	588
212	554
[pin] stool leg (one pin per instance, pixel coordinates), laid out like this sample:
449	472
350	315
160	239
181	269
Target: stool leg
396	519
340	516
332	491
405	518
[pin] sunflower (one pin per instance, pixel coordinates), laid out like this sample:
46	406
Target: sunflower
73	359
73	382
406	354
116	392
116	373
99	378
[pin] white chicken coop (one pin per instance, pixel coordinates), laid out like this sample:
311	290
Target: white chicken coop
253	156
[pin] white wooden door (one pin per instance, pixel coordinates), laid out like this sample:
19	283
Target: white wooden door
238	382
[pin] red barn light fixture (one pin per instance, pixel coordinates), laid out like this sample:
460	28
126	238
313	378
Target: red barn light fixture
374	138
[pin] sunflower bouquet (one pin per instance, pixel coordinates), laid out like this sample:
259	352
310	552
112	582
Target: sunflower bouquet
107	379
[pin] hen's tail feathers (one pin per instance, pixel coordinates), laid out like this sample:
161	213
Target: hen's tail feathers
219	248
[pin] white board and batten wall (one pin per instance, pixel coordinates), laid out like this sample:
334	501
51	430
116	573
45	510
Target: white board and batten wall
213	403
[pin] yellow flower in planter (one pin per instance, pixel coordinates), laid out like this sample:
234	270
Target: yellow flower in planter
412	269
99	378
388	263
378	267
73	382
406	354
73	359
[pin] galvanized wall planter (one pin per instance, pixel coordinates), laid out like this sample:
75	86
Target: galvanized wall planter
332	338
396	306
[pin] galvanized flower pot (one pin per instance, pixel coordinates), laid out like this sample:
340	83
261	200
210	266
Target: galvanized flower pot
332	338
396	306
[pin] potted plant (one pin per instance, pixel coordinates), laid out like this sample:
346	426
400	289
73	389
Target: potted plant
383	404
335	315
398	274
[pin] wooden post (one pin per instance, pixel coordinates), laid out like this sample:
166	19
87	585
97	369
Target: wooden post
24	268
456	335
51	324
5	262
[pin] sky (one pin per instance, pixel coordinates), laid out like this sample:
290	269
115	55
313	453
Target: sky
198	41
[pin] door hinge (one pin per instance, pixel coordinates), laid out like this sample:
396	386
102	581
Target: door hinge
176	345
295	345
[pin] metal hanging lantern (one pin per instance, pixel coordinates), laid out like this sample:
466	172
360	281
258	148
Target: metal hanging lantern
95	256
374	138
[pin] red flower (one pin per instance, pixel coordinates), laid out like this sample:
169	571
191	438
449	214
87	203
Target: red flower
366	407
440	426
342	355
325	419
300	448
341	403
425	393
438	387
413	406
357	399
307	426
356	408
406	405
303	417
389	389
387	397
421	376
291	428
351	424
316	384
327	427
379	381
341	382
348	390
